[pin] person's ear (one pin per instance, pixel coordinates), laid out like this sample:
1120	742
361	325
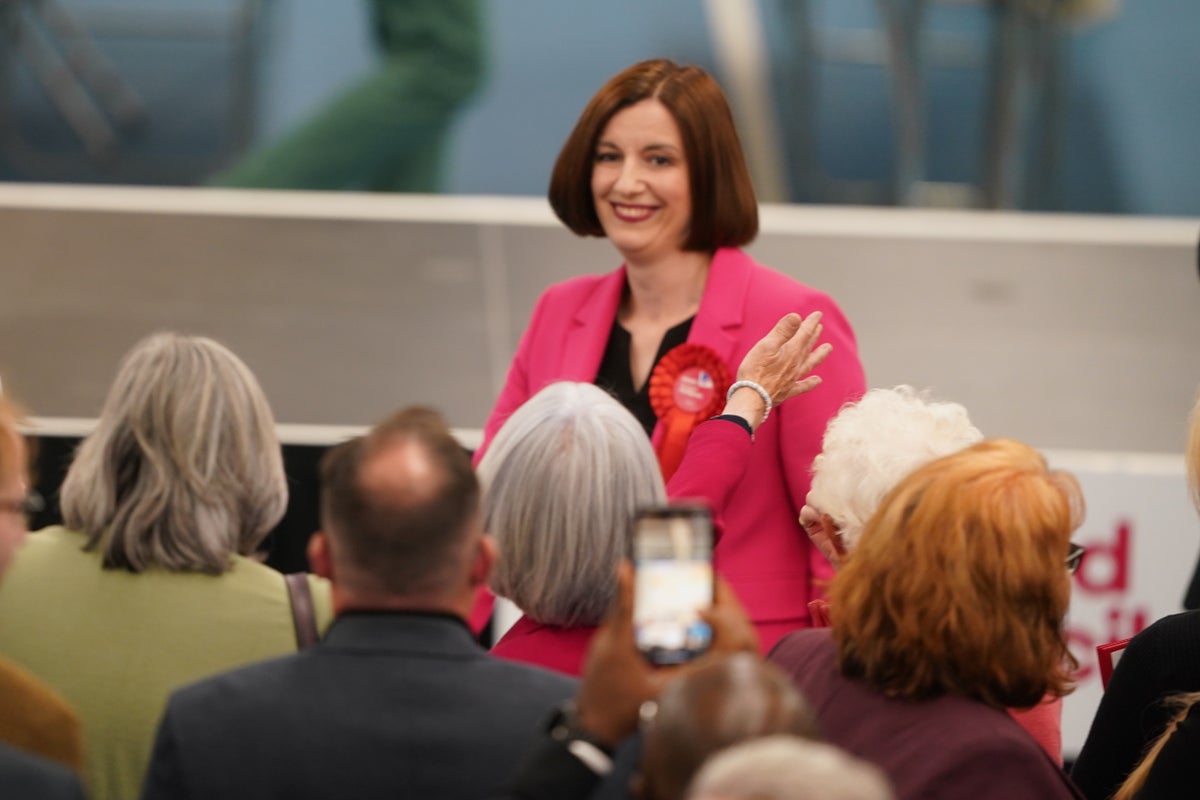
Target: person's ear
320	560
483	561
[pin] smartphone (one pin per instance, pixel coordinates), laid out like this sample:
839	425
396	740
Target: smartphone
672	559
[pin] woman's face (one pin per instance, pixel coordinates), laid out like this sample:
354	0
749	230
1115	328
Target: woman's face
640	183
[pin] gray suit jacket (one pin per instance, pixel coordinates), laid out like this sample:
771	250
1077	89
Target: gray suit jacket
388	706
29	777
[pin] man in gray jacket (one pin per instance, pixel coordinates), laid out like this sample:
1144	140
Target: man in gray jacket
398	700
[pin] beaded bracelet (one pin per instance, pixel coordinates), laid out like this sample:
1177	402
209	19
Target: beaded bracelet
766	398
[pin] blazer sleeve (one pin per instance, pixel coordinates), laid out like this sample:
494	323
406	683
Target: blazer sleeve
712	466
802	420
164	777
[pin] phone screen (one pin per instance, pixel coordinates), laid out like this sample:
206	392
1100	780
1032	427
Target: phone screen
672	555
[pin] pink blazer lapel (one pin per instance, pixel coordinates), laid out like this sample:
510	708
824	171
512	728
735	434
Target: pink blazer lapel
718	323
584	342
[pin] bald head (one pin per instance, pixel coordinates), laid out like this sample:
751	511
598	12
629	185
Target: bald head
400	507
707	709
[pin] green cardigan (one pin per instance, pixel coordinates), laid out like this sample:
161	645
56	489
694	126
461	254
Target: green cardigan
115	644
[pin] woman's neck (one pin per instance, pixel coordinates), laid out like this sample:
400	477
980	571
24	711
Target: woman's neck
667	292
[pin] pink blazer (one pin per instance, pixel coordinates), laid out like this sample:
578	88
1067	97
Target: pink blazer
763	552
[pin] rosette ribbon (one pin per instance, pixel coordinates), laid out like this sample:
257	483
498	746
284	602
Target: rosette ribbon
687	386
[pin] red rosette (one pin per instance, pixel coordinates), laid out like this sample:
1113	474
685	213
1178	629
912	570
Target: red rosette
687	386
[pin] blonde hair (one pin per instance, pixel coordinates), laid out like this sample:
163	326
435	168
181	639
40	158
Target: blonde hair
184	468
959	584
1137	779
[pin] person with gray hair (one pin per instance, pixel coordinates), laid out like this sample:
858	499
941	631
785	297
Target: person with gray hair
562	480
787	768
151	583
566	472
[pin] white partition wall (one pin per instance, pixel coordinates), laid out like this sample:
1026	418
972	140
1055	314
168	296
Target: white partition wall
1077	334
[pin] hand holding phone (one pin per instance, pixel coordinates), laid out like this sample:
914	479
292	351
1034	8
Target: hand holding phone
672	556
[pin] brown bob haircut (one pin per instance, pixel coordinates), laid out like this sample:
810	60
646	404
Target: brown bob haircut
724	210
959	586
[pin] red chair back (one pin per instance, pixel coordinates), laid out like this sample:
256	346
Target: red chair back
1108	655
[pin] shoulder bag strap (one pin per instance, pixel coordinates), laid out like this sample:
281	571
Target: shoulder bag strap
303	616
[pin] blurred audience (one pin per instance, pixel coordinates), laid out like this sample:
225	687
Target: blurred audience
1160	662
33	718
620	694
398	699
151	583
787	768
921	660
716	704
569	468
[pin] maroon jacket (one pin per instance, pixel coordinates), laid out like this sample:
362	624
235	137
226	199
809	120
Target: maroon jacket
947	747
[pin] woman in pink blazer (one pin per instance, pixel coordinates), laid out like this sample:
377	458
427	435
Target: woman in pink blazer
566	473
655	165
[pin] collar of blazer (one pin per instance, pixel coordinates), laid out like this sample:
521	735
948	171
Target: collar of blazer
401	632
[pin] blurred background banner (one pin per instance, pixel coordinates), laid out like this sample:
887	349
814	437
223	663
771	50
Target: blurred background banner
1036	104
1140	533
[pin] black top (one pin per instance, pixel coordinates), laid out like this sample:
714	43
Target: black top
615	377
1161	661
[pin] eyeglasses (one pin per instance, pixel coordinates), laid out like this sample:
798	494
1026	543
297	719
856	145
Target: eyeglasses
27	506
1074	557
